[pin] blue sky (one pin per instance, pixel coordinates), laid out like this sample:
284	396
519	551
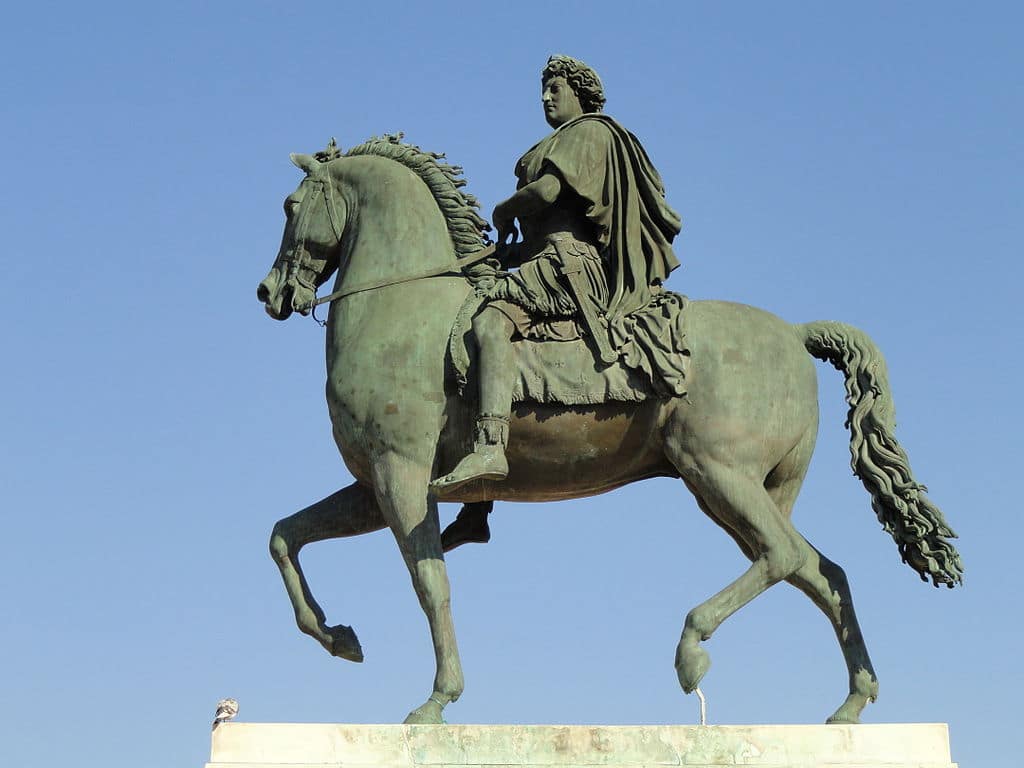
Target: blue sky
861	163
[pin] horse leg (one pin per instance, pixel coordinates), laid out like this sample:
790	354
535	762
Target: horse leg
737	502
412	515
348	512
825	583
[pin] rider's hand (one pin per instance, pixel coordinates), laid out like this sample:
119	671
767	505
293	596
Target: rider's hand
505	223
484	287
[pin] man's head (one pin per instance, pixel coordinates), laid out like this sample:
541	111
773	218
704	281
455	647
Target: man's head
582	79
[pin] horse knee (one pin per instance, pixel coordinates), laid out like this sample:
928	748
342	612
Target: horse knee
431	602
432	587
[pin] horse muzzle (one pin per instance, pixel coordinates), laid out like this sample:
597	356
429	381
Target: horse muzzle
281	297
276	295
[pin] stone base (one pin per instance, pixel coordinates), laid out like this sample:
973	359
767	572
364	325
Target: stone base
277	745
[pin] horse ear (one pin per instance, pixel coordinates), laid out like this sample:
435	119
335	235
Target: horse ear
304	162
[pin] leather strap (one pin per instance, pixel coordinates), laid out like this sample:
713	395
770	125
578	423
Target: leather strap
453	269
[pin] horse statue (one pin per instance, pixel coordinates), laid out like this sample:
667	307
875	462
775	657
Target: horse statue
393	223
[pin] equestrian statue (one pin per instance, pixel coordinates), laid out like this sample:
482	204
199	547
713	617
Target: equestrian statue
556	365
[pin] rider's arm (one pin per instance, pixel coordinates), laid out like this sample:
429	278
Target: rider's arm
527	201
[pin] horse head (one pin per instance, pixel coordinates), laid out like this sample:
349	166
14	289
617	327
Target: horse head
310	246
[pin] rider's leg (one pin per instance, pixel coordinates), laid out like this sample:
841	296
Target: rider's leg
470	527
493	331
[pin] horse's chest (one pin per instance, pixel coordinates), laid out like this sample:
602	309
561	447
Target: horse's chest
371	417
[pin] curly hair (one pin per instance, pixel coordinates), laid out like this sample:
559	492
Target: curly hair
580	77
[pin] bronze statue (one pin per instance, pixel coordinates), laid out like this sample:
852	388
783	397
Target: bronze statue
720	395
597	242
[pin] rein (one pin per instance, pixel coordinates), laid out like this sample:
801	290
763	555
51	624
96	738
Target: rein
327	188
452	269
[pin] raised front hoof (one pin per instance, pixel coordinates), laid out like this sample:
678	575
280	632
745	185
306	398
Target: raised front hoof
344	643
427	714
692	662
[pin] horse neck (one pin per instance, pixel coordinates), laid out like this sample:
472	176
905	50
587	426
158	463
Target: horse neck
394	228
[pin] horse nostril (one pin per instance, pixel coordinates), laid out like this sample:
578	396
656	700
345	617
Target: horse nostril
263	293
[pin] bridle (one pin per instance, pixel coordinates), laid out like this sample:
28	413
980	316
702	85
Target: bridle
320	176
303	268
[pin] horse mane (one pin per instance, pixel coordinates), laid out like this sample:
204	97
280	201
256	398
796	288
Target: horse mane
468	230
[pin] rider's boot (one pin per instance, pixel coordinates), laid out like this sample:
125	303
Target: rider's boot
470	527
493	331
486	462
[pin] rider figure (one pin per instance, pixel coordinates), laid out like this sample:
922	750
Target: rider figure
596	247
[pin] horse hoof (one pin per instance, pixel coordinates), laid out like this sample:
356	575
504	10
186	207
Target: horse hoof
849	713
345	644
864	689
692	662
840	719
427	714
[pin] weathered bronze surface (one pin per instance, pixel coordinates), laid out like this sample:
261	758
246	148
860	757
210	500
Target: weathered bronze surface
736	420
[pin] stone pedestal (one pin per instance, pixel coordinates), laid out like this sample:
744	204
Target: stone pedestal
281	745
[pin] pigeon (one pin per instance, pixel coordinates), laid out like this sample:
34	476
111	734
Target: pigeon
226	710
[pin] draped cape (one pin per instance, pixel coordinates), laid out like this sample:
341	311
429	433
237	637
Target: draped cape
623	198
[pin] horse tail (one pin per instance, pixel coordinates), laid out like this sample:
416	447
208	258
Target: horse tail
905	512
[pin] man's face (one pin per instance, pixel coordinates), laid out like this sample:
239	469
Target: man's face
561	104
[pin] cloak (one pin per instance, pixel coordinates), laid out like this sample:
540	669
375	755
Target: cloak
622	197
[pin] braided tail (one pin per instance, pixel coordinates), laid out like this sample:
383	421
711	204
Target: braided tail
899	501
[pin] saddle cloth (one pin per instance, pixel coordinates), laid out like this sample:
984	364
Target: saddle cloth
652	362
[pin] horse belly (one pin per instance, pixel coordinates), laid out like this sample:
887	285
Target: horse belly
567	452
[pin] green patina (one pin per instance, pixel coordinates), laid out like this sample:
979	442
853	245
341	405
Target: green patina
736	420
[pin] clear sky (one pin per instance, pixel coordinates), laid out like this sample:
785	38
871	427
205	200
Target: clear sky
860	163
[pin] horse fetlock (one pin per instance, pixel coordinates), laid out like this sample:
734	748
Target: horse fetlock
308	624
698	626
448	687
865	684
444	697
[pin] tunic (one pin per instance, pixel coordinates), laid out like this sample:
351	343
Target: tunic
612	211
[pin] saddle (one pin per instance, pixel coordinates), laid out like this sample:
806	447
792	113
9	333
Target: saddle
652	362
